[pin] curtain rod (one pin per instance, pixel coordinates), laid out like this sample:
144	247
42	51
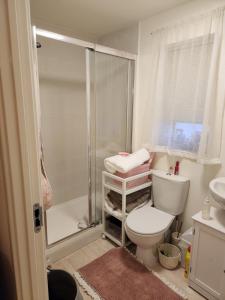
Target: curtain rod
187	20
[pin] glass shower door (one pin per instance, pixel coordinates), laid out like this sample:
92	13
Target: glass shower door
64	129
86	100
114	83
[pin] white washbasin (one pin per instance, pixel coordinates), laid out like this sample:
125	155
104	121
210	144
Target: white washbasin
217	190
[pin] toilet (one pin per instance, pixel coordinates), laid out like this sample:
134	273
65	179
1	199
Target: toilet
146	225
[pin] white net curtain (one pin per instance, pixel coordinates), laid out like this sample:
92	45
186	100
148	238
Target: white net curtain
182	112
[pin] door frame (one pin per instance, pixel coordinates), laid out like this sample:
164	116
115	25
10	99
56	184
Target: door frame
19	149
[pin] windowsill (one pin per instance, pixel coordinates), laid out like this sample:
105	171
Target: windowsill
187	155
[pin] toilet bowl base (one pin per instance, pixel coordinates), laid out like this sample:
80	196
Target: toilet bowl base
147	256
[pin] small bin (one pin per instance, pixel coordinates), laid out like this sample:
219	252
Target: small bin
169	256
185	241
62	286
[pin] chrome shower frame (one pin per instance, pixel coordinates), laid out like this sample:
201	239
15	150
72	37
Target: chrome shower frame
89	49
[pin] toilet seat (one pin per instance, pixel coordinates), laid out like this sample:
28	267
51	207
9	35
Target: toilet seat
148	220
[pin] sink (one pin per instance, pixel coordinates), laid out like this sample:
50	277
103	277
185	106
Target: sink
217	190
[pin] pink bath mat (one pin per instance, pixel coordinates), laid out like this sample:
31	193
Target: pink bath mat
117	275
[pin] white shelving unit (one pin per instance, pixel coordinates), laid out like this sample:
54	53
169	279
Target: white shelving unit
124	191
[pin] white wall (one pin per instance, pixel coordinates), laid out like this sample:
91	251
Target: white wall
125	40
63	117
199	175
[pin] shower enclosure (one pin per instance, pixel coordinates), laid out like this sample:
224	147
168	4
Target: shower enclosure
86	99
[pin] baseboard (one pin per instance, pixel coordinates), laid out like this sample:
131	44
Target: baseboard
72	244
201	291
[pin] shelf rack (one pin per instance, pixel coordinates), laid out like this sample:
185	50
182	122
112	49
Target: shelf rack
124	191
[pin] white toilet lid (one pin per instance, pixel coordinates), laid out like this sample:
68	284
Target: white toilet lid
148	220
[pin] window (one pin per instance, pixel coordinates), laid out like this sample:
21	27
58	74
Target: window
184	92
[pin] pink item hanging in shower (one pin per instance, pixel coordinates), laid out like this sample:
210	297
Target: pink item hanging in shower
46	192
45	187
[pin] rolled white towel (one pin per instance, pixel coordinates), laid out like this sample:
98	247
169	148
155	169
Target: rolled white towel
124	164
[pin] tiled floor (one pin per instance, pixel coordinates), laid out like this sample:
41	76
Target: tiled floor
97	248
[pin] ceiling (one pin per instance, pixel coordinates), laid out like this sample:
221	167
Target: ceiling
92	19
